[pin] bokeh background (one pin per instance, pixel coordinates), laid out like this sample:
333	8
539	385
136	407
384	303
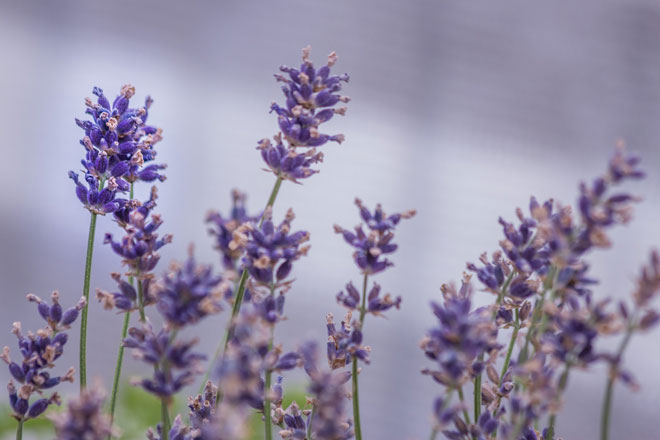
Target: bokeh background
460	109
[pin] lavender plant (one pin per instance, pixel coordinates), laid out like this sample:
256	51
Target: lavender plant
543	260
117	143
543	299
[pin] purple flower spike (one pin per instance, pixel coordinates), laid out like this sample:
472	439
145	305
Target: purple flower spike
117	144
378	242
310	97
190	292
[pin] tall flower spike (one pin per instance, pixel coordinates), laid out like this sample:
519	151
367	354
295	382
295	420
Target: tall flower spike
224	229
371	246
189	292
117	143
310	97
84	418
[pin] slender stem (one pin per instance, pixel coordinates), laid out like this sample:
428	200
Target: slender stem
434	434
165	434
267	420
466	414
309	423
354	369
120	354
19	430
607	402
563	380
143	317
477	379
83	318
120	359
512	343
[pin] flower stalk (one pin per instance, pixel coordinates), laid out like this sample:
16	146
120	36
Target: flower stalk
86	283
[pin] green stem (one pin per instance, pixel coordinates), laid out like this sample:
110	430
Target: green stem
309	423
607	402
83	318
19	430
477	379
434	434
120	354
120	359
512	343
267	418
143	317
165	415
354	369
563	380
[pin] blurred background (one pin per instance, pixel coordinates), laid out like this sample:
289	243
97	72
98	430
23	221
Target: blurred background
461	110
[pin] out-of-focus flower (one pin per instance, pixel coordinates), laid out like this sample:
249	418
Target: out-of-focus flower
223	229
84	418
176	364
190	292
460	337
370	247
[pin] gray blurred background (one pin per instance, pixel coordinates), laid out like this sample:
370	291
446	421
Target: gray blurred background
460	109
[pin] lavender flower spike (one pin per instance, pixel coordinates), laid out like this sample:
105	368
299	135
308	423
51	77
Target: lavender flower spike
57	318
310	95
190	292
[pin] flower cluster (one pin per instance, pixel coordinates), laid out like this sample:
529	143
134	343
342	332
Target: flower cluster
190	292
542	259
175	364
57	319
223	229
378	242
271	250
345	342
376	304
39	352
311	96
117	143
84	418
